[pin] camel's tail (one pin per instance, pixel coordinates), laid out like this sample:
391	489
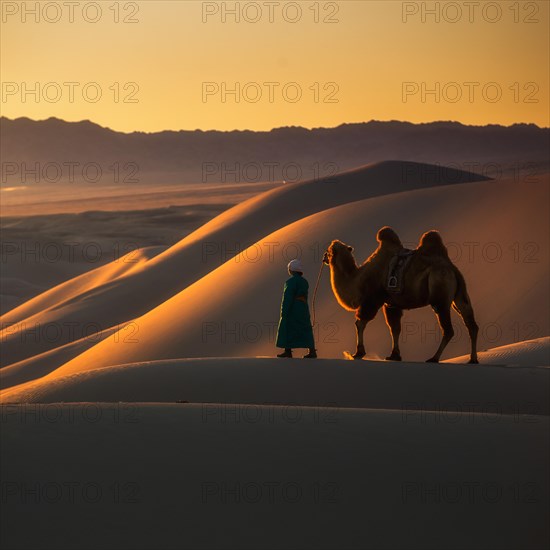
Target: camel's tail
463	306
461	296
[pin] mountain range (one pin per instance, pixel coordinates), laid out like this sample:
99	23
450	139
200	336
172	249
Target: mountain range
68	151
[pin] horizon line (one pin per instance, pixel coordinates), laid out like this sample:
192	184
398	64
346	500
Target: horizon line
455	122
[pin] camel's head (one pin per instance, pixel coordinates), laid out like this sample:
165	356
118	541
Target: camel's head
336	250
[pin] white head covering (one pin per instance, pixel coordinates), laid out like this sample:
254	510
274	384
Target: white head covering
295	265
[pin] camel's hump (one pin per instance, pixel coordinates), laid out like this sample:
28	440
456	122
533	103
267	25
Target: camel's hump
387	234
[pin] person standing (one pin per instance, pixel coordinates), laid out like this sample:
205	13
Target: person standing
295	330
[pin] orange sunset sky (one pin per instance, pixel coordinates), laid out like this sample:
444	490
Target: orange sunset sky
164	64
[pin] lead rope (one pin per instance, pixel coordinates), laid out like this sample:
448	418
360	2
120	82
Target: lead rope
315	292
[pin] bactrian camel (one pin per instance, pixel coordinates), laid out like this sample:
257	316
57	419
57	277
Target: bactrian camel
429	278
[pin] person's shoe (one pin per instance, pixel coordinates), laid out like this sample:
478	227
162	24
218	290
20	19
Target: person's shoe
285	354
311	355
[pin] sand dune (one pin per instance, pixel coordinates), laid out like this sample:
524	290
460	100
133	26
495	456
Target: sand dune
42	251
87	281
117	299
16	291
409	387
216	317
44	363
32	333
186	450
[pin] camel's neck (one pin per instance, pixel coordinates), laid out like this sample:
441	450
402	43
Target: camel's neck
345	284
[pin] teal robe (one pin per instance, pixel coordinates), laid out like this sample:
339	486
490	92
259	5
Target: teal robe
295	329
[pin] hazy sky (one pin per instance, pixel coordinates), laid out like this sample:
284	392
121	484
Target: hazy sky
167	64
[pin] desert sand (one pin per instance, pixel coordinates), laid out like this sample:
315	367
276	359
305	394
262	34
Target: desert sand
219	476
142	405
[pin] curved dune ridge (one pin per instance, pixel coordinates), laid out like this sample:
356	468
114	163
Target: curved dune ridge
82	284
117	293
13	289
44	363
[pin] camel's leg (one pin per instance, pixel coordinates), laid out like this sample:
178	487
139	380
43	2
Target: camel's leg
363	316
444	317
360	325
393	320
466	311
